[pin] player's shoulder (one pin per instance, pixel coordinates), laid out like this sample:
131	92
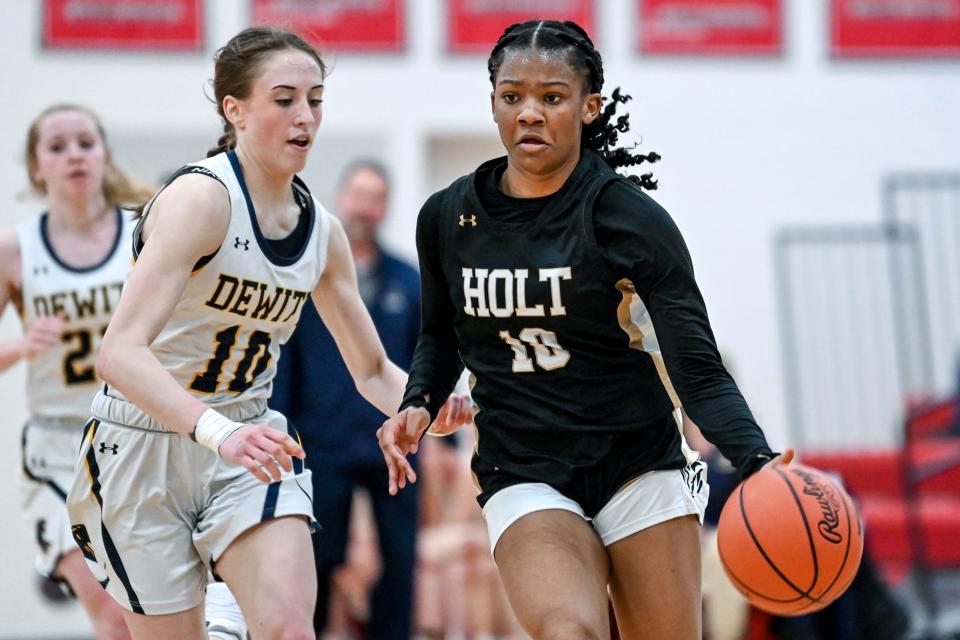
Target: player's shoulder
625	206
622	195
434	205
323	220
203	180
436	200
192	199
432	210
192	211
10	256
9	244
10	238
205	189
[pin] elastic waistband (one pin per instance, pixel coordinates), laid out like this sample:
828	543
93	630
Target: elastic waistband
126	413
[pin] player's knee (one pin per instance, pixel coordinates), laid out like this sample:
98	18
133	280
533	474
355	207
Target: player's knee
566	627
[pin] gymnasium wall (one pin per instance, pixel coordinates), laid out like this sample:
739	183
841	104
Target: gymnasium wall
748	145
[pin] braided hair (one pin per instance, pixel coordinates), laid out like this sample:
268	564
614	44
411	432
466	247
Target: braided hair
602	134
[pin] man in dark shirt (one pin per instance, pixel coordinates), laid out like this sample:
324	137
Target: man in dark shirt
338	427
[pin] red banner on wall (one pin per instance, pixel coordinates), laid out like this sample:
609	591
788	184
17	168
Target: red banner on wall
895	28
344	25
752	27
474	26
175	25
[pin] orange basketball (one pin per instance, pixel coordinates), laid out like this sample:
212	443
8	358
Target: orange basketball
790	539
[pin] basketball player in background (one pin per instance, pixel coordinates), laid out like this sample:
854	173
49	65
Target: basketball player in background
185	468
63	270
569	294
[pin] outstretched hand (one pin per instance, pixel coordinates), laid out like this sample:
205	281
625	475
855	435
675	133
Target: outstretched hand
264	451
454	413
43	334
400	436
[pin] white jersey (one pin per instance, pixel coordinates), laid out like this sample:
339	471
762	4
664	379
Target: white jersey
61	381
222	341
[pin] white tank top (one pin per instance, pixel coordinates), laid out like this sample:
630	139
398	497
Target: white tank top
223	339
61	381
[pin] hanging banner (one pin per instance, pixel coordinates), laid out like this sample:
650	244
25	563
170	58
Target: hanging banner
710	27
474	26
342	25
169	25
890	28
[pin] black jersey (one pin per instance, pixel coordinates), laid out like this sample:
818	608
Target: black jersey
582	318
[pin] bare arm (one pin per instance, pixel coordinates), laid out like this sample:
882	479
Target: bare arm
44	332
377	379
338	302
11	350
200	205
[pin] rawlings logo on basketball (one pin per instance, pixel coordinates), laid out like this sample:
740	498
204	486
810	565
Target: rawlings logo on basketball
829	505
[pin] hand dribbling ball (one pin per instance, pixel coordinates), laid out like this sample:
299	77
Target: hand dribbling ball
790	539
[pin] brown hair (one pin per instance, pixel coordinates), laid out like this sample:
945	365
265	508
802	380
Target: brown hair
118	188
236	66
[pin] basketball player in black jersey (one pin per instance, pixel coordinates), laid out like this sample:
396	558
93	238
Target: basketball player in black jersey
570	296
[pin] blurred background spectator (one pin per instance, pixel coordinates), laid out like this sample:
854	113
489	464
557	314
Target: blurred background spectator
338	427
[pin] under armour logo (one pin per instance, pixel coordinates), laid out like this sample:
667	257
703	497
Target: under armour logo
113	448
464	220
40	270
237	243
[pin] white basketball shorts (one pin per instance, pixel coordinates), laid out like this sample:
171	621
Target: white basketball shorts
652	498
156	510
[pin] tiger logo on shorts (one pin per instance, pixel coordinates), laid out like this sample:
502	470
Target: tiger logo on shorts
82	538
693	477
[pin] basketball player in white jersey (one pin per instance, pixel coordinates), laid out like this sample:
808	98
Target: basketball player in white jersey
63	270
185	468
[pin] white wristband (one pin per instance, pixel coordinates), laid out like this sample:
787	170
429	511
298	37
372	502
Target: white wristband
213	428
